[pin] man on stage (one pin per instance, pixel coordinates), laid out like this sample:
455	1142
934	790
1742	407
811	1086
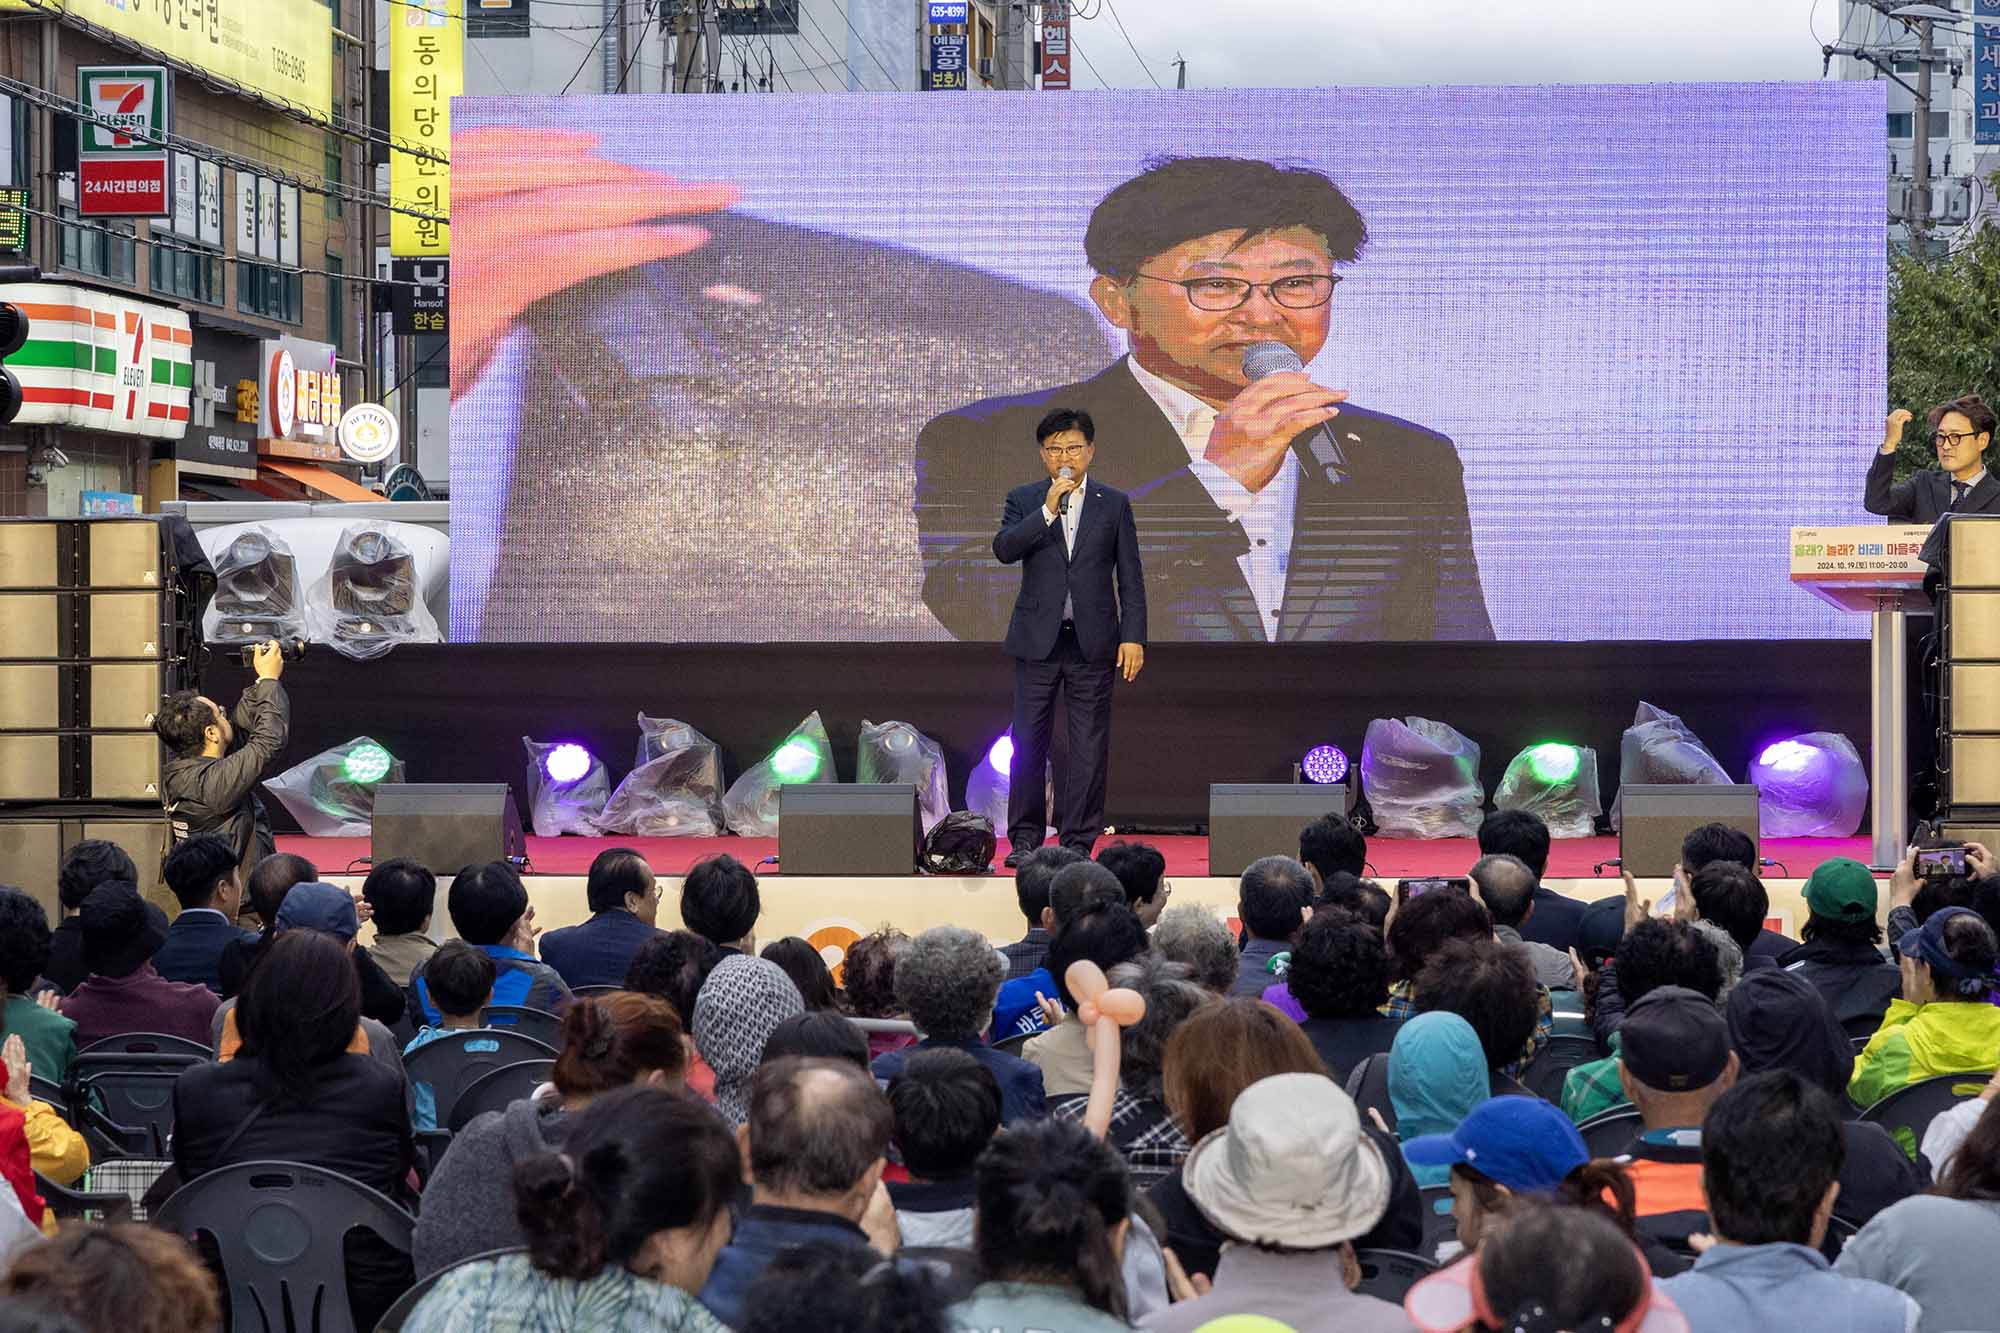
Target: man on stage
1080	616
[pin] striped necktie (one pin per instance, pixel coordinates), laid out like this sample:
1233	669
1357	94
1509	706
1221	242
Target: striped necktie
1958	490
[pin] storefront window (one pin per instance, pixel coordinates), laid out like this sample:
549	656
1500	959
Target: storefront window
274	293
194	272
88	250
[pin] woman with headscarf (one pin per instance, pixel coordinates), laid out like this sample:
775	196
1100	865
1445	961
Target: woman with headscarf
1437	1074
738	1007
1779	1020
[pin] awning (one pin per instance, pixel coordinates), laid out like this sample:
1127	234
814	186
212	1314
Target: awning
324	480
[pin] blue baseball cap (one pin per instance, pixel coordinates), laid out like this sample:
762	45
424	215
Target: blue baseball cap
317	906
1926	944
1524	1143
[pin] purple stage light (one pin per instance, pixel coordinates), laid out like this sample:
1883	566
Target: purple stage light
1788	757
566	763
1001	754
1324	764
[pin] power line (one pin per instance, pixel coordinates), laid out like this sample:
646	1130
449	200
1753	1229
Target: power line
589	51
310	184
1112	9
638	45
856	34
1077	49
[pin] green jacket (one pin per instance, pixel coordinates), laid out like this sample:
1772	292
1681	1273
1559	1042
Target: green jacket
1920	1041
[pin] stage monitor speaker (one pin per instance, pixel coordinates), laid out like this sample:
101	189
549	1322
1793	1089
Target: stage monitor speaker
446	826
32	847
1655	816
850	828
1248	820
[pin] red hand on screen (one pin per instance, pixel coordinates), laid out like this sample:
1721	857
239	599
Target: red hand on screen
535	211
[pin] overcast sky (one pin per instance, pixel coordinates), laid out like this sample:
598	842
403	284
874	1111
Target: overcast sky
1273	43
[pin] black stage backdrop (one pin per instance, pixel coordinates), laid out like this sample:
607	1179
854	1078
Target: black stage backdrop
1199	713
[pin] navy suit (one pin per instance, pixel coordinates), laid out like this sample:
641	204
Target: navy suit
192	951
597	952
1104	590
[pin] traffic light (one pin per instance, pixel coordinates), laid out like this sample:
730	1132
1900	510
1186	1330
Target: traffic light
13	333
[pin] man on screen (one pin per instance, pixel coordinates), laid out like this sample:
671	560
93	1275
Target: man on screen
1256	526
1079	617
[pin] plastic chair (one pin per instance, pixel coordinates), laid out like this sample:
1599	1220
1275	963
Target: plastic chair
1861	1026
149	1043
397	1315
595	990
1544	1076
1389	1274
498	1089
1610	1133
899	1027
1439	1224
1908	1111
540	1024
1838	1232
43	1090
95	1206
124	1102
279	1227
449	1067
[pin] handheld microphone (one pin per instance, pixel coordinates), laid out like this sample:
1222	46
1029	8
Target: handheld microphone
1067	474
1261	359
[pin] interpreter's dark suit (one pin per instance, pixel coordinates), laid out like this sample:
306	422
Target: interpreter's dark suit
1924	498
1385	554
1104	586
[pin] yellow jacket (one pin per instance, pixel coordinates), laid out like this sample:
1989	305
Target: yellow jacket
54	1149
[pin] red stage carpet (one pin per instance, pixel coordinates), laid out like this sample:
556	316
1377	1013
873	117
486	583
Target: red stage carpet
1392	858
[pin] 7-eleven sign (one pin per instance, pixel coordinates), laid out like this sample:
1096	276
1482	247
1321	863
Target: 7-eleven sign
132	104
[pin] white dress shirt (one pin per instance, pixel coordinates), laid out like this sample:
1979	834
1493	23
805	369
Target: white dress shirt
1070	517
1266	517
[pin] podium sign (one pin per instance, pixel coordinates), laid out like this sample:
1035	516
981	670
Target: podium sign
1873	568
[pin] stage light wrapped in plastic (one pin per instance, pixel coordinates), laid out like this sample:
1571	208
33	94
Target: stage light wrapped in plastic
332	794
986	787
1421	779
1660	748
898	752
1558	782
675	788
1810	786
750	806
256	593
567	788
371	597
1324	764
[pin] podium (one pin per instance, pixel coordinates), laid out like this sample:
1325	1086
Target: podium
1873	568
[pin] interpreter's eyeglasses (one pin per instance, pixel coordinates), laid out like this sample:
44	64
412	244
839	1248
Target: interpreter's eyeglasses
1304	292
1952	439
1065	450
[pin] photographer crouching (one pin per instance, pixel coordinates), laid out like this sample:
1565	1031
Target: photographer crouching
206	788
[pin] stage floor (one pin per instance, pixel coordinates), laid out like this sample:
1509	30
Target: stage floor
1187	857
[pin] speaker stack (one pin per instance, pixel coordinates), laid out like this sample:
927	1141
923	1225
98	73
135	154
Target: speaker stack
97	625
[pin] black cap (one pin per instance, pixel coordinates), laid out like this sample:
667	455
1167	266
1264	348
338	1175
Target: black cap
121	930
1674	1040
1599	929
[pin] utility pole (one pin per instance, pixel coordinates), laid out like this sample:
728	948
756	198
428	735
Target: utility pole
1180	65
1010	74
1919	219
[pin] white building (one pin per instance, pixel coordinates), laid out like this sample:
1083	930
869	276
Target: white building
1957	169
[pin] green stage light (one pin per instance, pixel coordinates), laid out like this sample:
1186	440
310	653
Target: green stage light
797	760
366	764
1552	762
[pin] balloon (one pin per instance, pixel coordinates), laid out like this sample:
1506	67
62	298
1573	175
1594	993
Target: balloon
1086	1013
1121	1006
1086	981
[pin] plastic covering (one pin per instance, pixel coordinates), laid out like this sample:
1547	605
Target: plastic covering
986	794
555	808
1569	805
898	752
1421	779
257	593
371	598
321	793
1659	747
674	789
961	844
1811	786
750	806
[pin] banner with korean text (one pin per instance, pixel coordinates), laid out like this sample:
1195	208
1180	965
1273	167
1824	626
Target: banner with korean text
426	70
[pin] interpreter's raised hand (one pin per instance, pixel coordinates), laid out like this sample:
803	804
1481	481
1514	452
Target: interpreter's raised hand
1892	429
535	211
1253	433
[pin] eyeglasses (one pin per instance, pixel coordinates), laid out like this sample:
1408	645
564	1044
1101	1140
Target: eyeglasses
1065	450
1952	439
1305	292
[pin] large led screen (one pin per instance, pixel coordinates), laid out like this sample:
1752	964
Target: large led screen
765	367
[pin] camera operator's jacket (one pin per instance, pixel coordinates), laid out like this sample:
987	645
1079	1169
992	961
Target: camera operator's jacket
220	795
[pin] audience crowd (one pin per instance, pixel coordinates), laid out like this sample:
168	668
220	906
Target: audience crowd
1470	1104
